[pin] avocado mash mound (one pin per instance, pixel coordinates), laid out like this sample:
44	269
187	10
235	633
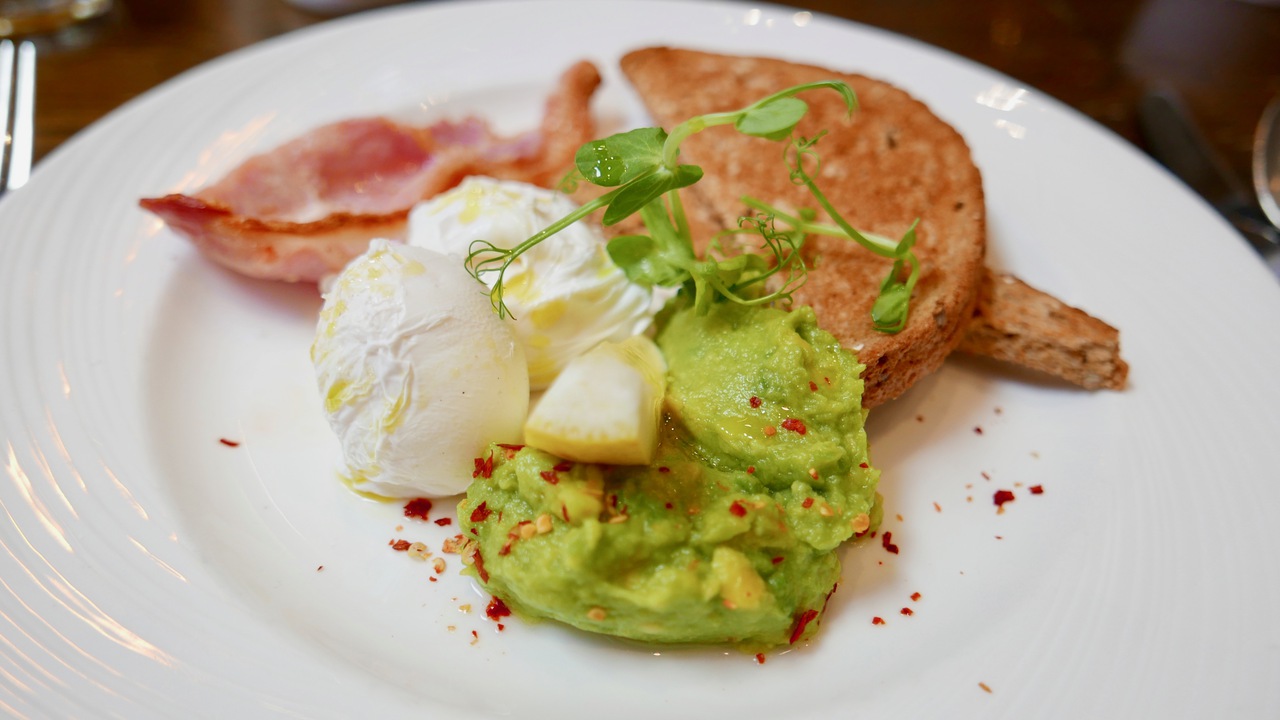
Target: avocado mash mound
730	535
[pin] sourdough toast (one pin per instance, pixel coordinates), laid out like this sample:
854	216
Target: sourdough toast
890	163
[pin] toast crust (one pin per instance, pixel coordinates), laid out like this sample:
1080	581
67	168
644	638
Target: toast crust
1017	323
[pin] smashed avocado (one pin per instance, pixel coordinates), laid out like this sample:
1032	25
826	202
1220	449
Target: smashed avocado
730	535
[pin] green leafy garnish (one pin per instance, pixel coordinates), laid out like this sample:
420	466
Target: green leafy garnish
889	312
621	158
642	167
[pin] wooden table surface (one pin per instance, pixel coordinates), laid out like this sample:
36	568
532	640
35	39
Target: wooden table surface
1098	56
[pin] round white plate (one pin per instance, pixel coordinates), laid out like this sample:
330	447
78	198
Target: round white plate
150	570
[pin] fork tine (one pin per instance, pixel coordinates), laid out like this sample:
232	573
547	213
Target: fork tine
24	110
6	101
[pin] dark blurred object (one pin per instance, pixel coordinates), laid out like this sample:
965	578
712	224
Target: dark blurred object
1223	57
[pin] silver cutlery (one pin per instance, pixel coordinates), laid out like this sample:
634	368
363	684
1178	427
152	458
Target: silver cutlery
17	112
1173	139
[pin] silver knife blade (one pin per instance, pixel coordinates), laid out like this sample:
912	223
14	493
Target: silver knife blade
1173	139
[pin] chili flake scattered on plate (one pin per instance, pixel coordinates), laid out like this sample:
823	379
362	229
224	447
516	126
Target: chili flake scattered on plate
1003	496
417	508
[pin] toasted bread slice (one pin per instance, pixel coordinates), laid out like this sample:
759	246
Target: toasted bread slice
890	163
893	162
1016	323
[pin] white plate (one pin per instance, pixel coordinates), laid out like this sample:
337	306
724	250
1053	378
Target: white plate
148	570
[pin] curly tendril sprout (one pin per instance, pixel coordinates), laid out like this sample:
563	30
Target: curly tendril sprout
643	169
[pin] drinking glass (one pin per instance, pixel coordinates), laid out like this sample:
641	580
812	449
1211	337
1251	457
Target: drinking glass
34	17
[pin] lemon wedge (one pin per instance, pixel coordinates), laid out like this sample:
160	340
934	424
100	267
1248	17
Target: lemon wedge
605	406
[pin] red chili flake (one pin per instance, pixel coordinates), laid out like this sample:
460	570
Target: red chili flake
497	609
919	418
417	508
826	380
802	622
830	592
501	627
907	611
484	467
514	448
444	521
228	443
751	469
565	466
432	578
778	560
1002	497
478	560
886	540
664	469
550	476
759	658
399	545
877	620
737	509
481	513
505	549
319	568
985	475
755	401
808	503
795	425
937	507
977	430
915	597
669	506
813	386
564	512
864	466
475	635
1037	489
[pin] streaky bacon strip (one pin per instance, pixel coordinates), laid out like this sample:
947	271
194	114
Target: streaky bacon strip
305	209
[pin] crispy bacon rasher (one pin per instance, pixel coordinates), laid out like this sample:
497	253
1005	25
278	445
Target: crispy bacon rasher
303	210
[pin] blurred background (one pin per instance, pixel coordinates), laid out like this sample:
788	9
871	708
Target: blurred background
1099	56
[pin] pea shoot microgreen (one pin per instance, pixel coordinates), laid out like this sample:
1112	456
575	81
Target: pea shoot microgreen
643	170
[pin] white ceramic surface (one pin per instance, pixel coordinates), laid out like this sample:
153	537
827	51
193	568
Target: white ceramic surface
147	570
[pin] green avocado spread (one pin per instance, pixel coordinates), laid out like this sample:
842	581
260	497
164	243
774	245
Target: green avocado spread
730	536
